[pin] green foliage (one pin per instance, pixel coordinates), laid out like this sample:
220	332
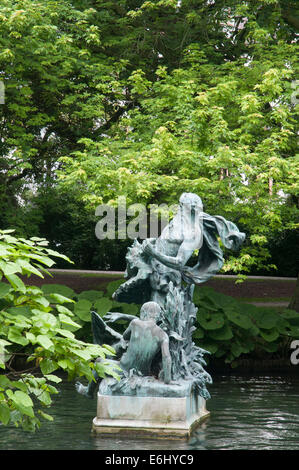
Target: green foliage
72	229
156	98
230	329
85	302
49	289
36	325
222	124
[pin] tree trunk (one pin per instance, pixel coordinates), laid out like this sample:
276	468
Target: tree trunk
294	303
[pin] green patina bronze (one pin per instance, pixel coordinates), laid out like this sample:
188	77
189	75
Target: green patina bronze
156	354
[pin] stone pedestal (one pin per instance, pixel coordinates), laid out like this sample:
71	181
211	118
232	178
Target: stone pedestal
139	416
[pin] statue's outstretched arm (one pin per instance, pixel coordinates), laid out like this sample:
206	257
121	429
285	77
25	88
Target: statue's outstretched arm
175	262
114	316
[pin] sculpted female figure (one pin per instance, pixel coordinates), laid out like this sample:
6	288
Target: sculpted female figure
152	265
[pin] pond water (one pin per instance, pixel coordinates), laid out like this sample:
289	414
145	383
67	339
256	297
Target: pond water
252	413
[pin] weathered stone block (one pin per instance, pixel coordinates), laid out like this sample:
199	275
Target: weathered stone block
145	416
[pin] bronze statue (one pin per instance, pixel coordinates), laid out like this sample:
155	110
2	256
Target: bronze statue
155	273
145	340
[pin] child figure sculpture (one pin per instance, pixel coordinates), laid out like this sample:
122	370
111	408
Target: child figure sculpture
146	342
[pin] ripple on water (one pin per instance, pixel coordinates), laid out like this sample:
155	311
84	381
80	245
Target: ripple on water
246	413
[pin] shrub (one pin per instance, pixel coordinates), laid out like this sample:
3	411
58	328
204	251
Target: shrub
230	329
226	327
36	324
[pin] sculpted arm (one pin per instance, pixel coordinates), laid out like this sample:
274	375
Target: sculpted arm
166	360
127	332
114	316
175	262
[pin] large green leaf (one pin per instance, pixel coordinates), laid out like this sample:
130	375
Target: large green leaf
266	319
4	250
206	305
58	298
83	354
47	366
223	333
28	268
45	319
249	309
58	289
293	331
26	311
248	345
4	381
4	289
66	320
82	309
270	334
239	319
113	285
91	295
22	398
45	415
103	305
289	314
65	333
202	291
282	325
44	397
42	301
42	259
4	413
53	378
130	309
15	335
236	348
44	341
63	309
16	283
198	333
211	297
9	267
210	321
209	346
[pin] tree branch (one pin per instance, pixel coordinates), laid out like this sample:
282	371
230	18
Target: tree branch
114	118
290	18
21	175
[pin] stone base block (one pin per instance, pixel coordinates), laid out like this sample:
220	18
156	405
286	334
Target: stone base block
148	417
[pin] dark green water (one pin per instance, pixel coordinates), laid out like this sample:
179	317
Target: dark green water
253	413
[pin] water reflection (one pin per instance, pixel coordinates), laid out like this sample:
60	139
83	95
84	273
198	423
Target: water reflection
251	413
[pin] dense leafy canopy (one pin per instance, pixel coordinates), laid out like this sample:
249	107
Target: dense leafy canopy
156	98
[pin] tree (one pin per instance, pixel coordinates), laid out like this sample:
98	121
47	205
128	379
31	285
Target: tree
156	98
222	123
56	89
38	328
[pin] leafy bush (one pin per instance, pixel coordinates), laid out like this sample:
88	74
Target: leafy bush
36	324
226	327
86	301
229	328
